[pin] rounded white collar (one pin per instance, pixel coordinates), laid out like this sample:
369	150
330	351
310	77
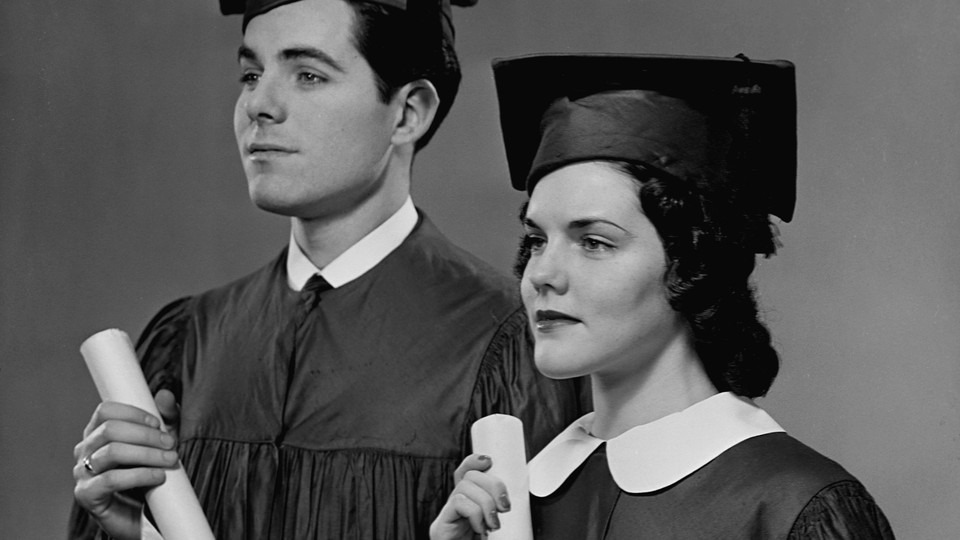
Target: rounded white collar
359	258
656	455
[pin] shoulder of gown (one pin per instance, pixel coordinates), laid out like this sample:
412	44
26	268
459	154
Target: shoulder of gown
843	510
818	498
166	339
768	486
161	345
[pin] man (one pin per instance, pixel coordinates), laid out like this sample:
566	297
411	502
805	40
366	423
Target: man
330	393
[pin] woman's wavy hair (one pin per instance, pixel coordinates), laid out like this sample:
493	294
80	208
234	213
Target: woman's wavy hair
711	242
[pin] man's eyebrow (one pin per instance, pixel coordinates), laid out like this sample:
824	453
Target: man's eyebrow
295	53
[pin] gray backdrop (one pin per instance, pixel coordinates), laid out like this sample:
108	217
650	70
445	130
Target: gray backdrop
121	189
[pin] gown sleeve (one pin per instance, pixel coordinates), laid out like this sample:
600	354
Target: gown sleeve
162	346
844	510
160	349
509	383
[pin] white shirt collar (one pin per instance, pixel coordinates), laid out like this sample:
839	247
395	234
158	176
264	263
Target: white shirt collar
359	258
653	456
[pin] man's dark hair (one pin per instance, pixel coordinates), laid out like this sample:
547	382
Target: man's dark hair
711	242
405	45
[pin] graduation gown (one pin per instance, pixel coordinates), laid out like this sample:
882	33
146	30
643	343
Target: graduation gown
721	469
343	414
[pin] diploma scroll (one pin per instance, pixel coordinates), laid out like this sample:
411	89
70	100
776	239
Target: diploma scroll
116	372
500	436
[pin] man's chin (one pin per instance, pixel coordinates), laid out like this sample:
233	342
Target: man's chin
276	205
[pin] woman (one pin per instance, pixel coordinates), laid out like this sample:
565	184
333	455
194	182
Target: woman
651	183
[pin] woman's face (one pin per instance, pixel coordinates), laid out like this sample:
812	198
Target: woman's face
593	287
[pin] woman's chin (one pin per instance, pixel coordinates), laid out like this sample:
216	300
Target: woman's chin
556	369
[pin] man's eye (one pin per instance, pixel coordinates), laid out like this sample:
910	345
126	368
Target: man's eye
249	78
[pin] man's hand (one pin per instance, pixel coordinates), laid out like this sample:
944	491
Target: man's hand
123	448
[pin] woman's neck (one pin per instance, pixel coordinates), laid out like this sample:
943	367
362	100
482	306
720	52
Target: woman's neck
673	382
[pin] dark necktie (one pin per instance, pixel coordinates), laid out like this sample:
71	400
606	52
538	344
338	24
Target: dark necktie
309	298
310	294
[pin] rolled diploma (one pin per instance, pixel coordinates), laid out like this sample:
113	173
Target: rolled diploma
500	436
113	364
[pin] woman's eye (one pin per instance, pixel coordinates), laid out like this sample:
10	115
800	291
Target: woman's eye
311	78
533	243
594	244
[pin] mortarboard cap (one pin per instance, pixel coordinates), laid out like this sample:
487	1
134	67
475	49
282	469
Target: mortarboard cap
691	117
252	8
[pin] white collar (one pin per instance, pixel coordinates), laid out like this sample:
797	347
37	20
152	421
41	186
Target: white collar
359	258
653	456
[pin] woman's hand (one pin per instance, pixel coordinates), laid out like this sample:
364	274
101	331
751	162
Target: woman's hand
475	503
123	448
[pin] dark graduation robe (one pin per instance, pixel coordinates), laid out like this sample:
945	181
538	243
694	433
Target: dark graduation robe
759	484
343	414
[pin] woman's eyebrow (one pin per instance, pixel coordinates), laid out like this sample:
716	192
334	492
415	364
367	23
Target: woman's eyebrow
583	223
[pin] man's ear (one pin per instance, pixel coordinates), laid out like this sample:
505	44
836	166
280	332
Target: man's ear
419	102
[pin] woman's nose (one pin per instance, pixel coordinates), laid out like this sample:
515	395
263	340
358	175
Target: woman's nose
546	271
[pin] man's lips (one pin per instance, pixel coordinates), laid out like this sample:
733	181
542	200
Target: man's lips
267	149
546	319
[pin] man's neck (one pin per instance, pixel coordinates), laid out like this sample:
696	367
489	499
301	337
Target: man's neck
324	238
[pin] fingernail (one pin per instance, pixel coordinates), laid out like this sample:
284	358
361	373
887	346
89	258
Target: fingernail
483	457
494	520
166	440
170	456
152	421
505	501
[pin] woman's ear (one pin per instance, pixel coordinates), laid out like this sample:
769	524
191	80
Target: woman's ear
419	102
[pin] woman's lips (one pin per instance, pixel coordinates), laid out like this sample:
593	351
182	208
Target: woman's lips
549	319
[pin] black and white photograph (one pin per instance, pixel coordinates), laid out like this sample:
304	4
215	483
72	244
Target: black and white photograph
499	269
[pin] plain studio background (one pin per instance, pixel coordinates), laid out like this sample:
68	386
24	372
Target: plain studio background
121	189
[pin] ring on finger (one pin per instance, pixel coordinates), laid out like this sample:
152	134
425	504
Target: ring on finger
88	466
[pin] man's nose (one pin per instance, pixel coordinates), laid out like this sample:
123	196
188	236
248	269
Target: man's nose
265	102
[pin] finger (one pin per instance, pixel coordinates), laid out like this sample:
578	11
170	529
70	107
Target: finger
96	494
121	455
168	406
481	497
111	410
124	432
461	505
473	462
494	487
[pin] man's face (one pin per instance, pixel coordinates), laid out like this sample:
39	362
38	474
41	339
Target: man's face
313	134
